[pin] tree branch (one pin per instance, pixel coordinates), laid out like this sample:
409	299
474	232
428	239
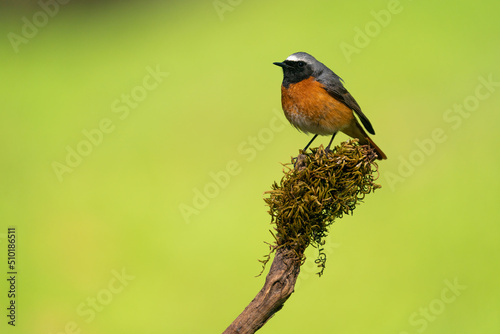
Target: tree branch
280	283
322	187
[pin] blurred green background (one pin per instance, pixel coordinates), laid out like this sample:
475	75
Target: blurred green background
119	117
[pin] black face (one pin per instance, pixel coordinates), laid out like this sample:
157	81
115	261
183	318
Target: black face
294	71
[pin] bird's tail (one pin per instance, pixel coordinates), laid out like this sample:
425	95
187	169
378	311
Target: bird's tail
380	154
356	131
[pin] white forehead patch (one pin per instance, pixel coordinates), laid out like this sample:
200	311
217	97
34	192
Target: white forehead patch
302	56
296	57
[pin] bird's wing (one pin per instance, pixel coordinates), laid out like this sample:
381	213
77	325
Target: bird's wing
338	91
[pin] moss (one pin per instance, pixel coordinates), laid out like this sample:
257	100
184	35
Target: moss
318	188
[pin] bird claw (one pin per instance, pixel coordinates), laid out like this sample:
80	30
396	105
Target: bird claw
300	161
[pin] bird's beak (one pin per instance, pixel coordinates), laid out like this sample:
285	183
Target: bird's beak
282	65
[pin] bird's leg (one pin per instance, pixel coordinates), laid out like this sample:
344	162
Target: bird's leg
327	149
305	148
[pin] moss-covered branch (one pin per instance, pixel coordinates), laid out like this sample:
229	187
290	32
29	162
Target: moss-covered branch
316	189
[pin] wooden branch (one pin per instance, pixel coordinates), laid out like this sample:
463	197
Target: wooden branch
279	285
321	187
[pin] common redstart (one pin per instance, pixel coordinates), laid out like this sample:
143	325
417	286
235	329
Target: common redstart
315	100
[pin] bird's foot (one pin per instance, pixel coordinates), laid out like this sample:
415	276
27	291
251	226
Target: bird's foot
300	161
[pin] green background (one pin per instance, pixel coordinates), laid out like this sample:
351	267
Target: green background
435	221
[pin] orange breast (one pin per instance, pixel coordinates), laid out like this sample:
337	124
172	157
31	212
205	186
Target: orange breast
309	107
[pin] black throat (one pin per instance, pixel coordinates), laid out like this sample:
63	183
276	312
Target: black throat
293	74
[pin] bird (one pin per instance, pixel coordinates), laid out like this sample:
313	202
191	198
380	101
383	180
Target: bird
315	101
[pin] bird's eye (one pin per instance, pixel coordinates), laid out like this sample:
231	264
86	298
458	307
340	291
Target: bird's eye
301	64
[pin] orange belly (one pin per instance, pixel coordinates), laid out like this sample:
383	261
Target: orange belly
309	107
